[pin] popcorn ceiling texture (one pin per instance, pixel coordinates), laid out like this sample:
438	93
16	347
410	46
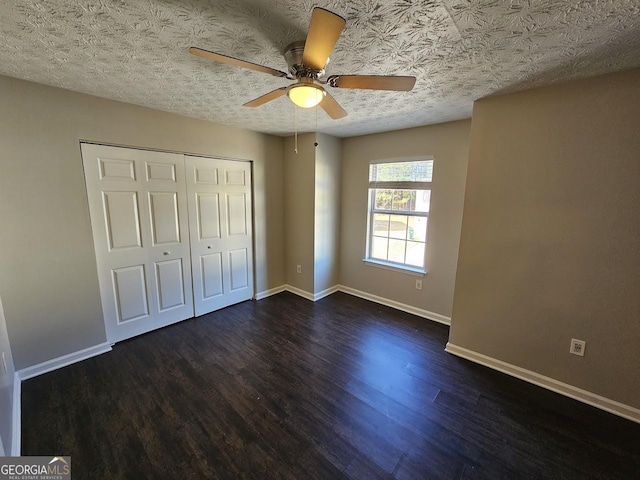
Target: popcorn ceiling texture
135	51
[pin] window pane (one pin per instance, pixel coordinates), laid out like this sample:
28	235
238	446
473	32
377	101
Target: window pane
417	229
396	250
398	226
415	254
423	200
383	199
379	248
381	225
403	200
419	171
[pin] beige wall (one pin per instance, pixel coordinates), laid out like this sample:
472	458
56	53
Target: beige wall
448	143
550	245
312	211
49	282
299	182
327	213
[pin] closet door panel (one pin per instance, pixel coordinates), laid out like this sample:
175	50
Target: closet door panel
211	265
238	270
169	256
208	216
130	287
237	220
170	284
219	202
137	202
165	224
122	220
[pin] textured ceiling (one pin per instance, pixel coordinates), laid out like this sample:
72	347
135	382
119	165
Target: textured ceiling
460	50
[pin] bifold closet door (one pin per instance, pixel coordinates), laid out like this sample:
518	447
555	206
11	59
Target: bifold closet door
219	203
138	207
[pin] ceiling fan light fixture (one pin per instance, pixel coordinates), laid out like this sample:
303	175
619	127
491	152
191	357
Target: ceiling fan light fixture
306	95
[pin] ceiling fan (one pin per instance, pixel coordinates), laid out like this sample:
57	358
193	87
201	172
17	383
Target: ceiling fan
307	60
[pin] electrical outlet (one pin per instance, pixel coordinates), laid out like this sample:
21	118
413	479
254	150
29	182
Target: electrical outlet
299	268
418	284
577	347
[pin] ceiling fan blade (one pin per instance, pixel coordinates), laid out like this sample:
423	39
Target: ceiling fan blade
218	57
267	97
332	107
324	30
372	82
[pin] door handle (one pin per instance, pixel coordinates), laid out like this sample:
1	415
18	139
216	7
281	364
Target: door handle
209	247
166	253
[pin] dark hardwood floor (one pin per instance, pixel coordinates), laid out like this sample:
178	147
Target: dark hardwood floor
287	388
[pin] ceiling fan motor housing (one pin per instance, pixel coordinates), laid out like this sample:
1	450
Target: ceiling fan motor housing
297	69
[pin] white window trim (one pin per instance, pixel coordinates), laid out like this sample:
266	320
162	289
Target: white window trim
372	262
419	158
386	265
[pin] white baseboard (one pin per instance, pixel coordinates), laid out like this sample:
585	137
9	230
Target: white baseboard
39	369
314	297
436	317
16	414
576	393
300	293
271	291
63	361
325	293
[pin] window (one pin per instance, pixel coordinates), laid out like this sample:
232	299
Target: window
399	198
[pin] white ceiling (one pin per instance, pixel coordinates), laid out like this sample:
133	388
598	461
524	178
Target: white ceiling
135	51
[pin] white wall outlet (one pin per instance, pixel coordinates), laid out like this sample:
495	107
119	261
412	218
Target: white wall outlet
577	347
418	284
299	268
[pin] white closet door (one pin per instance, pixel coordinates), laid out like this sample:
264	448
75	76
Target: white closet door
219	201
137	201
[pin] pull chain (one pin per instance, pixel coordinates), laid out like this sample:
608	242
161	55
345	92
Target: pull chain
295	122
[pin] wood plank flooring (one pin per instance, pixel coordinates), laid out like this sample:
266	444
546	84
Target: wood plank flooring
287	388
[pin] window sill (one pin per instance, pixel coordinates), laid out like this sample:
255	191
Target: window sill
394	267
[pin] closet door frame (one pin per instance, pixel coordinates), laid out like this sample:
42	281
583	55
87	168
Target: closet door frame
147	256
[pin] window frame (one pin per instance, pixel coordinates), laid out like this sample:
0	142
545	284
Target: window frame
371	211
